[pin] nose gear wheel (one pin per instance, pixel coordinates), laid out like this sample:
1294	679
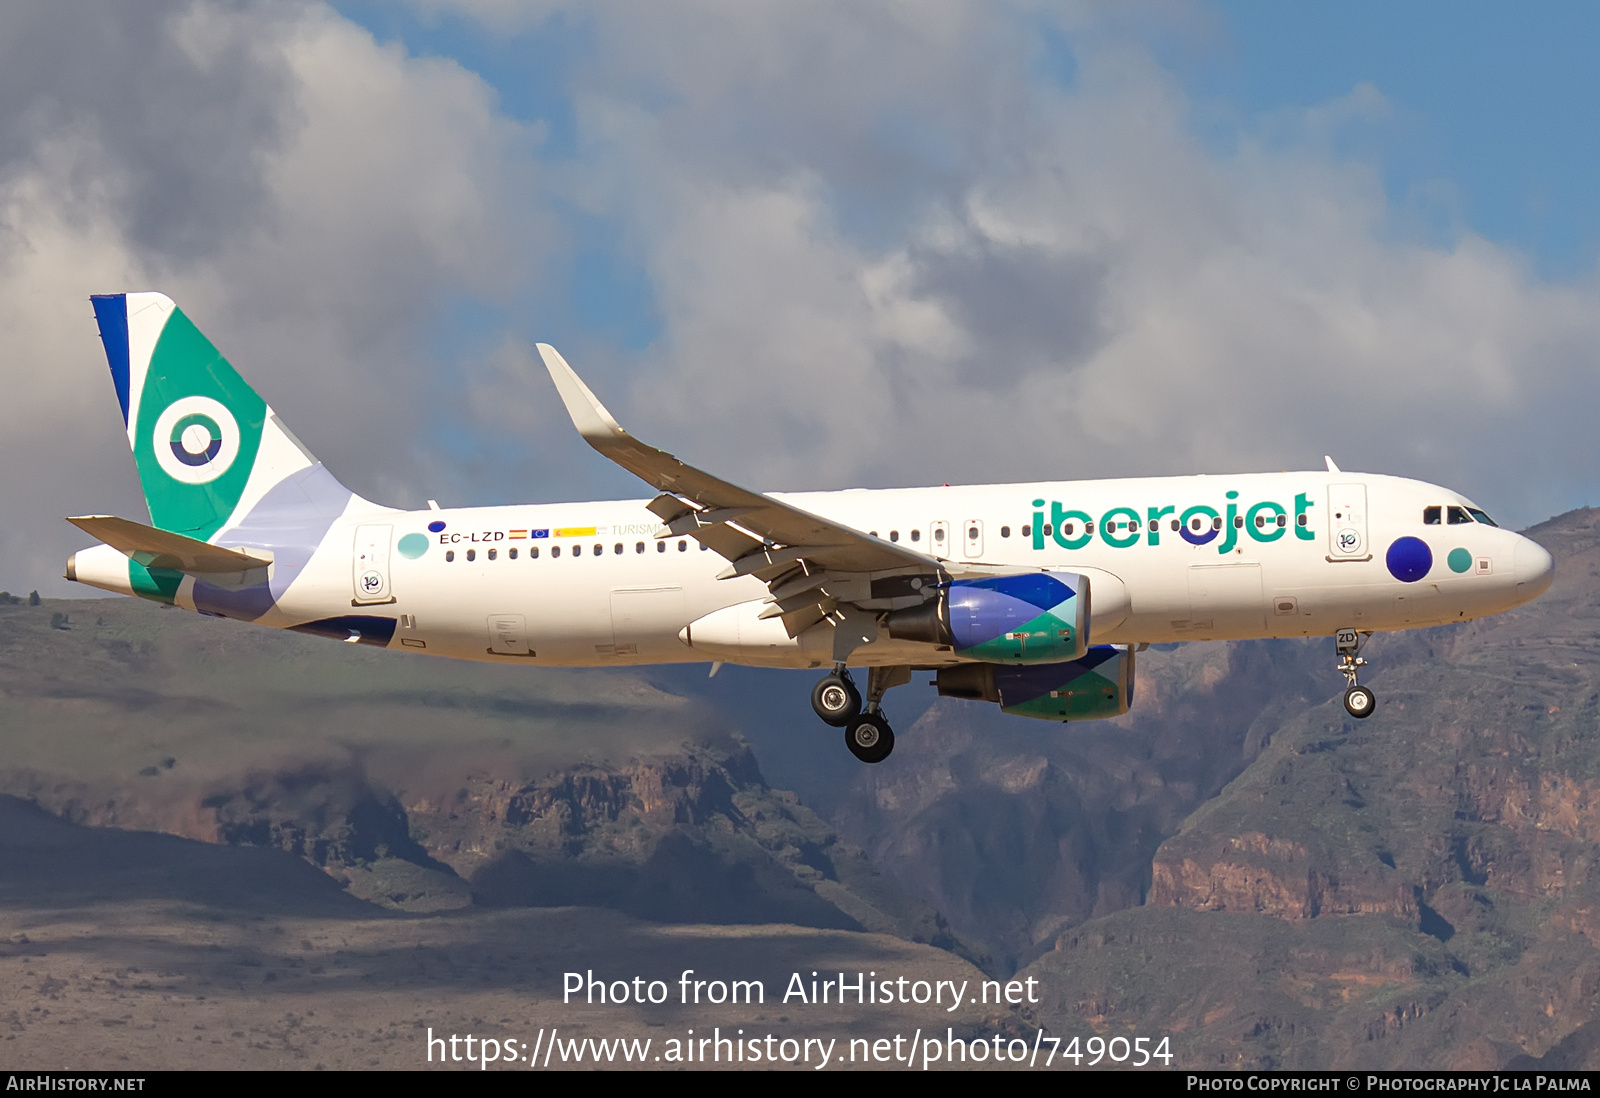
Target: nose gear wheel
1359	701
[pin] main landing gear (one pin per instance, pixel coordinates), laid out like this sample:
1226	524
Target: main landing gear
1358	700
837	701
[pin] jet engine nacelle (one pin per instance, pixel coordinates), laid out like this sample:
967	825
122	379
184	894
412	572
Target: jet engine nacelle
1100	684
1025	618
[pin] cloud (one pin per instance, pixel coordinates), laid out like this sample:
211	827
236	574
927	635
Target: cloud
892	244
312	198
895	245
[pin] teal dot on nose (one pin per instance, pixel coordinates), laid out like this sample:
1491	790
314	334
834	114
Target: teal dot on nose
413	546
1459	560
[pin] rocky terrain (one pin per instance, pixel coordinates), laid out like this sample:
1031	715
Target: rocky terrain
433	786
128	950
1419	887
1235	864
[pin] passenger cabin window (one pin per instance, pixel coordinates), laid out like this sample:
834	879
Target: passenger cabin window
1458	515
618	549
916	535
512	554
639	548
449	555
533	553
661	547
1005	531
472	554
493	553
683	546
555	550
1432	515
1027	531
894	535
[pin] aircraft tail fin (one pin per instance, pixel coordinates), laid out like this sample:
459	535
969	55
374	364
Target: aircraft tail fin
207	447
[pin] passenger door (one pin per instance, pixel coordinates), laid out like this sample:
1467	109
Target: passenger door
371	565
1347	522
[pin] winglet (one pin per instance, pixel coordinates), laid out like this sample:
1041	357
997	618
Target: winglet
589	416
1332	468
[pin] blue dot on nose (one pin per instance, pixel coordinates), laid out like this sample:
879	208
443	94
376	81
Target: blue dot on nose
435	526
1409	559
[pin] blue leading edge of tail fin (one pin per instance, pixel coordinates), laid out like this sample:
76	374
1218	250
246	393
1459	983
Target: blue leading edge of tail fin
111	311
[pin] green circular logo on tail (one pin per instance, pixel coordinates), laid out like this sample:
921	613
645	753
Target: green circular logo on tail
195	440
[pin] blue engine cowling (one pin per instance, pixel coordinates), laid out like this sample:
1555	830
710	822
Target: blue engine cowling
1098	685
1028	618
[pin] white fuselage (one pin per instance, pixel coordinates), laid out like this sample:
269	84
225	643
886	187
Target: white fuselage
585	584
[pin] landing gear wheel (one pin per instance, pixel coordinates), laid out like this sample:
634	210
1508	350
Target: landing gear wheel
836	700
1359	701
869	738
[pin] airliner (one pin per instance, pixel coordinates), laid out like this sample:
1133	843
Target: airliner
1035	596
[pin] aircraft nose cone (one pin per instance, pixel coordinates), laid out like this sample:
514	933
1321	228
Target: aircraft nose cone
1535	568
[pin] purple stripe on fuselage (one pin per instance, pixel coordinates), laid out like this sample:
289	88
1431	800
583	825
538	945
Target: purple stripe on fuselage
291	520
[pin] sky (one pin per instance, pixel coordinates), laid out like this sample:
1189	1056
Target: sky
811	246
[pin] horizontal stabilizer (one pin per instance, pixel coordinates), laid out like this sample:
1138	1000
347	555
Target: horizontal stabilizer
162	549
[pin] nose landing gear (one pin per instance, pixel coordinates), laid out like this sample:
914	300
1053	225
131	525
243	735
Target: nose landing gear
1359	701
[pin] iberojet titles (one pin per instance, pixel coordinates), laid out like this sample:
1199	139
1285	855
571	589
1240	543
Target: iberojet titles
1200	524
1119	527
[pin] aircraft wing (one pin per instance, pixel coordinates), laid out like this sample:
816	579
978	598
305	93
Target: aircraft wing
781	544
163	549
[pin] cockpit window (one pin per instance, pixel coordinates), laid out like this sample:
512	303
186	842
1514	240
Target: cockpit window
1481	517
1458	515
1432	515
